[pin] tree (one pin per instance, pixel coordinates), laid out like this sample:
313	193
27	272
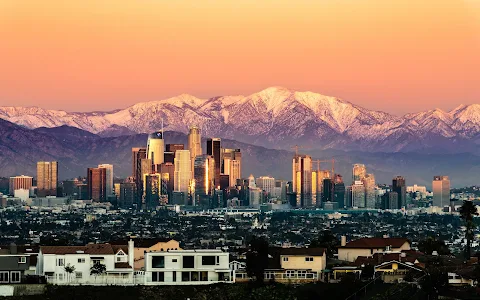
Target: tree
257	258
326	240
69	269
97	269
467	212
431	244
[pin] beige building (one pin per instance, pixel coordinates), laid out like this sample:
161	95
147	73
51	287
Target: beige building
142	246
441	191
183	171
194	143
369	246
47	178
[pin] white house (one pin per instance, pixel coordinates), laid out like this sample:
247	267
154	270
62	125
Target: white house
187	267
53	262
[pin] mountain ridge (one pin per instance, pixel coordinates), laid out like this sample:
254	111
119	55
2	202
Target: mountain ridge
278	118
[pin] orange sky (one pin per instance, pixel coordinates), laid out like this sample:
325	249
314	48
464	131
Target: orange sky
397	55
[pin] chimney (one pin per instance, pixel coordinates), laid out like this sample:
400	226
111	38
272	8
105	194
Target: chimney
131	253
13	248
343	241
385	236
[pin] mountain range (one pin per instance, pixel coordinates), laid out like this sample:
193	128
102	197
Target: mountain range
278	118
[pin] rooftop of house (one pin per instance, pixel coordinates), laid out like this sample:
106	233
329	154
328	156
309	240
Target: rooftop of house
375	243
409	256
95	249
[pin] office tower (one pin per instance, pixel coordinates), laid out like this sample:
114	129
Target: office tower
109	170
266	184
348	196
232	164
183	171
194	143
19	183
390	200
327	192
358	173
251	181
156	149
422	190
280	190
170	152
47	178
255	196
137	155
97	184
369	183
358	194
152	190
398	186
214	149
339	191
204	173
242	188
167	171
441	191
126	195
302	179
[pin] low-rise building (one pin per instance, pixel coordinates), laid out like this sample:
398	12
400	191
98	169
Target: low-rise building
369	246
15	264
187	267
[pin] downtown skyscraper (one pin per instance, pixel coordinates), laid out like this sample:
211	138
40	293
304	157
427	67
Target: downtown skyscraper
302	180
214	149
204	175
441	191
156	149
183	171
194	143
97	184
47	178
109	181
232	164
399	186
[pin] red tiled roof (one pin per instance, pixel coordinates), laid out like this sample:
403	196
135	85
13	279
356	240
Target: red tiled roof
95	249
117	248
376	243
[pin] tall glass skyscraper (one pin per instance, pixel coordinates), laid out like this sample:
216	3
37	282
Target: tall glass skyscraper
194	143
441	191
156	149
204	173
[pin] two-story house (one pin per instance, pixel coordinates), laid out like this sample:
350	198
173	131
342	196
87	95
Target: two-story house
14	264
141	246
186	267
73	264
369	246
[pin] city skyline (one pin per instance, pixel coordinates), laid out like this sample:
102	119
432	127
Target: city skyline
117	53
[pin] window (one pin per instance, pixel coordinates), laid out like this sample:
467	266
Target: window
96	261
22	260
308	258
158	276
174	274
15	276
209	260
194	276
60	262
185	276
203	276
188	262
4	277
119	259
174	260
285	258
158	261
81	260
78	275
290	273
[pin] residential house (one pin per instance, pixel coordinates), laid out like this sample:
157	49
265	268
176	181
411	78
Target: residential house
142	246
117	259
292	265
395	271
15	264
369	246
186	267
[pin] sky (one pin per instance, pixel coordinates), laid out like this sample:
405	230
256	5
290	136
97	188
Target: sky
397	56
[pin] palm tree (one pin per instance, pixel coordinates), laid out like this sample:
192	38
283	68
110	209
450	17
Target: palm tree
467	212
69	269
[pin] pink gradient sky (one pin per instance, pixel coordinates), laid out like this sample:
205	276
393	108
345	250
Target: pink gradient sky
80	55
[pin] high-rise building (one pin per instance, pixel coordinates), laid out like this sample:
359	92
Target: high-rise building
441	191
302	180
109	184
358	173
167	172
328	189
339	191
266	184
174	147
318	176
47	178
358	194
97	184
204	173
369	183
127	194
156	149
390	200
19	183
152	190
183	171
214	149
232	164
194	143
399	186
418	188
138	153
280	190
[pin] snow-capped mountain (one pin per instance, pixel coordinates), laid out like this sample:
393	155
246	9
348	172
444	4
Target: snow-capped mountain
279	118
